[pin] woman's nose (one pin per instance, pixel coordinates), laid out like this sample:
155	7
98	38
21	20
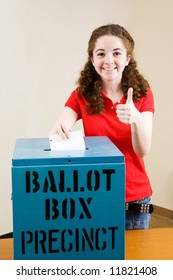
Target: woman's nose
109	59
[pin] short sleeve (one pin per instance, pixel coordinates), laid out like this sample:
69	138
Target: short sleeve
73	102
147	103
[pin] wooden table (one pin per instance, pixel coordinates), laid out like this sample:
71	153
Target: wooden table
151	244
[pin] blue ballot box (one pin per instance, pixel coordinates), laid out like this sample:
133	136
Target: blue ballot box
68	205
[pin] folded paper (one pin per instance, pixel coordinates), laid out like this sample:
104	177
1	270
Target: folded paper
75	142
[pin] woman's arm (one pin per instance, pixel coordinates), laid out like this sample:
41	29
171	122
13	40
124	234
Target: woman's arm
141	124
65	122
141	131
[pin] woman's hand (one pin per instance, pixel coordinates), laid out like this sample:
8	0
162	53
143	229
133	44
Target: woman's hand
127	113
64	124
62	129
141	124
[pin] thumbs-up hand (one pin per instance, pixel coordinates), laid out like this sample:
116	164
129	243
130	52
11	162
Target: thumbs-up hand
129	96
127	112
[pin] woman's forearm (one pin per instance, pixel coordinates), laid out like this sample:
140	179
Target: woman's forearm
141	130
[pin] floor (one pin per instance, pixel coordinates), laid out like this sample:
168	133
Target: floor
160	221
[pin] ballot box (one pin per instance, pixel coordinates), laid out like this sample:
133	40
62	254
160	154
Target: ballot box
68	205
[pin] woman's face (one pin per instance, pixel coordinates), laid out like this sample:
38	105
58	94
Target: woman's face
110	58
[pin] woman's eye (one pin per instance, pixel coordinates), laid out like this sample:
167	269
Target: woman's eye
117	53
100	54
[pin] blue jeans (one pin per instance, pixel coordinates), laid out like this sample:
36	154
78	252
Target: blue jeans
138	220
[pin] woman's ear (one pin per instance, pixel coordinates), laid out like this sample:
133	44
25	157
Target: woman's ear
128	59
92	61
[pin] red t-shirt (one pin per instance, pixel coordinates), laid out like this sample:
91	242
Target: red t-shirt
107	124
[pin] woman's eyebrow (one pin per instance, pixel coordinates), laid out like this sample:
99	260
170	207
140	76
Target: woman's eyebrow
102	50
116	49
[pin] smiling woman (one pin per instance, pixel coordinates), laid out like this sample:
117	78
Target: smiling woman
115	42
113	99
109	60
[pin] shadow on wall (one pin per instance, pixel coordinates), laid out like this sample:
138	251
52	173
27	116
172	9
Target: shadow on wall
169	190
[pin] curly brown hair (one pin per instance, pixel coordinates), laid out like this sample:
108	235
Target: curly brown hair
89	82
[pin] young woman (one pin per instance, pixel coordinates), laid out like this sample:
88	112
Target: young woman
113	99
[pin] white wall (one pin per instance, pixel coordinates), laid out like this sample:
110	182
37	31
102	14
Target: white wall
152	29
43	47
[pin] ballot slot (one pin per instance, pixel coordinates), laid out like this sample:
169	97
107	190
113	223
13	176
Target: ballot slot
49	149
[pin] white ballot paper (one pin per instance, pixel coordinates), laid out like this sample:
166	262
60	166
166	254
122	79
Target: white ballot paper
75	142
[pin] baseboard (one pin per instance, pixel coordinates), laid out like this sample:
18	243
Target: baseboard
7	235
166	213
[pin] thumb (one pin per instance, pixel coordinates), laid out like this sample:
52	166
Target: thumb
129	96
